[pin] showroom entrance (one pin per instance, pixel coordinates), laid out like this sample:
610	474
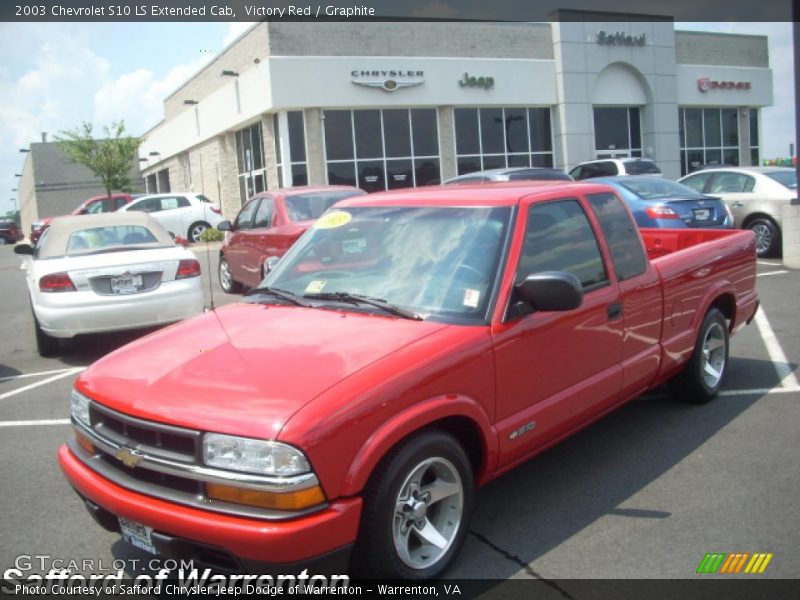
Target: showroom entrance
617	132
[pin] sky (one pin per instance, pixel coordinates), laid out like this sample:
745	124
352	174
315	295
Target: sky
54	76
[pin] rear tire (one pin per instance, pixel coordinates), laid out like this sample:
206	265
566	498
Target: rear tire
768	237
226	281
417	508
701	378
196	230
46	345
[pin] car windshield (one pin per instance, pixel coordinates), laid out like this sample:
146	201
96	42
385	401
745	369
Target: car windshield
658	188
432	261
785	178
303	207
641	167
105	239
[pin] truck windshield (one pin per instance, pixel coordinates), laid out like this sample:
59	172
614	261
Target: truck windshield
432	261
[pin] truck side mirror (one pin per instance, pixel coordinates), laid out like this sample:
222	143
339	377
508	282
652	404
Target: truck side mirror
551	291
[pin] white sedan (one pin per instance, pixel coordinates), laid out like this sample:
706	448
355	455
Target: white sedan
185	214
107	272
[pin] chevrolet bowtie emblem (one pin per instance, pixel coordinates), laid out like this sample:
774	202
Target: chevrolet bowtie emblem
128	457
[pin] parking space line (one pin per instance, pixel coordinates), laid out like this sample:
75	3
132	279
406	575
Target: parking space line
771	263
772	273
37	374
42	382
785	375
31	423
762	391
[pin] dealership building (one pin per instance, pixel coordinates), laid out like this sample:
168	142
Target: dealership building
396	104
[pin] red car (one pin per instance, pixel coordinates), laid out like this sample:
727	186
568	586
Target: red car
10	233
267	226
411	347
95	204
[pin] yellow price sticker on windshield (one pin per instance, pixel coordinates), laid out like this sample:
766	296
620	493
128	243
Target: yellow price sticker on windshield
315	287
333	219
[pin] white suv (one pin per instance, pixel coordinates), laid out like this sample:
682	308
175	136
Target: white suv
613	167
185	214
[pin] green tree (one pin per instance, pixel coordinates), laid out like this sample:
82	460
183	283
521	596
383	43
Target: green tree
109	158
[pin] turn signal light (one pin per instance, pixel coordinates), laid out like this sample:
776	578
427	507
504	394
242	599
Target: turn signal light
84	442
188	267
661	212
57	282
283	501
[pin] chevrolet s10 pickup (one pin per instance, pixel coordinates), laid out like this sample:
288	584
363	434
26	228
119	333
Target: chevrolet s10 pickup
409	348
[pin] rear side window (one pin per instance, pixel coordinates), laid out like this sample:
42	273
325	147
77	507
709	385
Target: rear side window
558	237
173	203
642	167
264	214
697	182
605	169
626	249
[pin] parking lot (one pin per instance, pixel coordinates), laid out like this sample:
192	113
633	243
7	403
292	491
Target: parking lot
643	493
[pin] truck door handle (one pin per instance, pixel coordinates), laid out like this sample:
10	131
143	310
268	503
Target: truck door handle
614	311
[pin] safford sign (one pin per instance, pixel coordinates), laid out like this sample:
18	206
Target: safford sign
704	84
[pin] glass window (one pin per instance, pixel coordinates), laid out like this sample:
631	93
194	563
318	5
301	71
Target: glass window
492	127
730	127
516	124
729	183
263	214
694	127
297	136
469	164
396	132
542	160
338	135
148	205
368	133
541	135
299	174
425	131
370	175
399	173
635	127
623	240
558	237
163	181
100	238
754	128
519	160
257	145
711	127
303	207
730	156
611	128
494	161
341	173
426	171
467	135
245	218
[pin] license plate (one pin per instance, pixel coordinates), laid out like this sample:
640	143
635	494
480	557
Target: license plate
702	214
137	534
127	284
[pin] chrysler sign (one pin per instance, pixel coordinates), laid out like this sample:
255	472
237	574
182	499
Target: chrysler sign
704	84
388	80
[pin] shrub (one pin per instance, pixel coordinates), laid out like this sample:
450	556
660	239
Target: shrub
212	235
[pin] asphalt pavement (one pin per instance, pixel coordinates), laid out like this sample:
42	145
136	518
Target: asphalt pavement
645	492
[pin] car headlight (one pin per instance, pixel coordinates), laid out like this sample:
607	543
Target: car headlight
253	456
79	407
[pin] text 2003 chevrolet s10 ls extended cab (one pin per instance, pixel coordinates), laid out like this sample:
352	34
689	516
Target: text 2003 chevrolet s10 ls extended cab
410	347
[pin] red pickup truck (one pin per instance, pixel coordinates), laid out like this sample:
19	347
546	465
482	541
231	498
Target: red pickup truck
411	347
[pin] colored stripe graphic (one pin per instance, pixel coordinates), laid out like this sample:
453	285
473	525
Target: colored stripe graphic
759	562
711	562
734	563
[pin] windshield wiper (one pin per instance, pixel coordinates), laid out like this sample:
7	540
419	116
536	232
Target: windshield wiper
278	293
359	299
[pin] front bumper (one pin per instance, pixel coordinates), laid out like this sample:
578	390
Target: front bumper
240	544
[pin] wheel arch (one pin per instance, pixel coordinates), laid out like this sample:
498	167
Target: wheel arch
459	416
759	215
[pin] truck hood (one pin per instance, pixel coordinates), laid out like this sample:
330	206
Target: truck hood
244	369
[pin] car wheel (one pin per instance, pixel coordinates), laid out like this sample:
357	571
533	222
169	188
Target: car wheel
768	237
196	230
226	281
417	507
701	379
46	345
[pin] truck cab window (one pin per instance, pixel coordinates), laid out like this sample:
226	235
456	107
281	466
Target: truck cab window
626	249
558	237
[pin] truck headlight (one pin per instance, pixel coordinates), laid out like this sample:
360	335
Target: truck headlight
253	456
79	407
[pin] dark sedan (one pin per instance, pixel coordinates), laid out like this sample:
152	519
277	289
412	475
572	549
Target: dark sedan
659	202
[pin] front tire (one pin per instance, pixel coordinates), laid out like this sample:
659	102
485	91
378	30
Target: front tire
226	281
768	237
417	508
196	230
701	379
46	345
